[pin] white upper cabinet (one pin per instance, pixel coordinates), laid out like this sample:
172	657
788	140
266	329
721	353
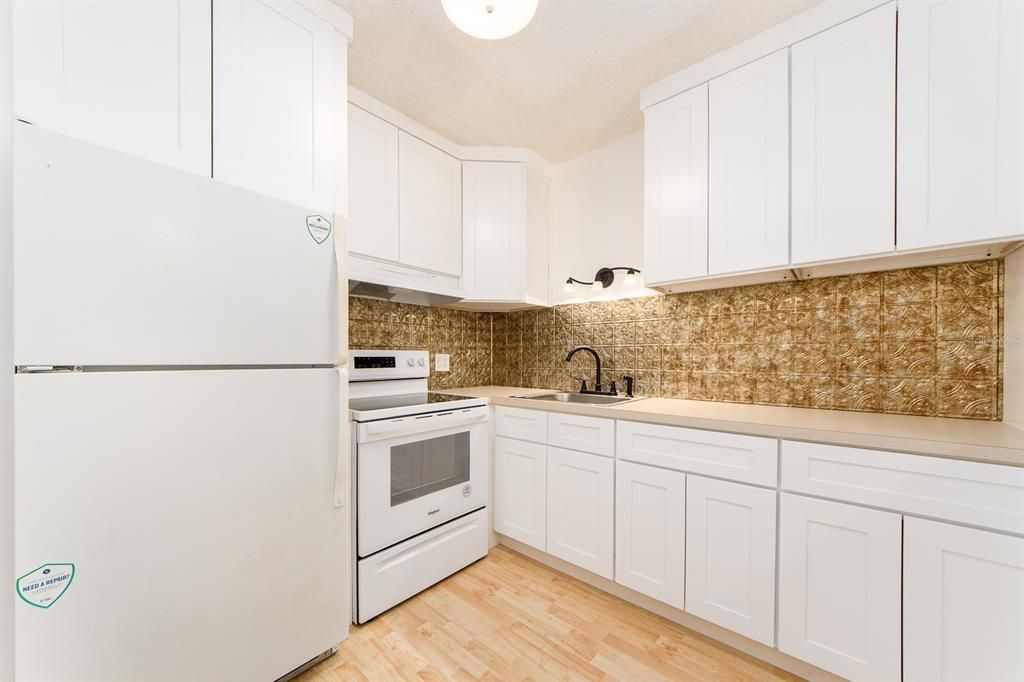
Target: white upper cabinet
373	185
505	228
844	138
275	87
132	76
963	603
429	207
492	215
839	587
959	132
748	179
676	188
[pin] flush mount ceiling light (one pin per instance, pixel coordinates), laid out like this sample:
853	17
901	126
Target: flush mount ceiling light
603	279
490	19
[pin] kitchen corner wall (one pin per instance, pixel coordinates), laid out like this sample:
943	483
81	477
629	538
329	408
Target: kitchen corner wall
925	341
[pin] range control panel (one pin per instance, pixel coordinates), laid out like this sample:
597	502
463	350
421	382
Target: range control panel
380	365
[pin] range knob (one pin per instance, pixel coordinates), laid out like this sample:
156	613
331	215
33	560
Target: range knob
421	362
410	362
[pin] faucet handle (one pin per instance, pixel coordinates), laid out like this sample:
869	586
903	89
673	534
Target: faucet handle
583	385
612	389
629	386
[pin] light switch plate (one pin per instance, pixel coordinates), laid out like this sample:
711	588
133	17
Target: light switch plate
442	362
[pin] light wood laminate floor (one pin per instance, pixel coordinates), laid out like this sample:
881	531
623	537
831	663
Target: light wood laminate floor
509	618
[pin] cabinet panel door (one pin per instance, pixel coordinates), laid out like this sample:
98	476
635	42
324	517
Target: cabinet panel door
730	556
274	93
650	530
373	185
581	504
676	188
844	139
839	587
429	207
960	139
963	603
492	215
520	497
748	161
132	76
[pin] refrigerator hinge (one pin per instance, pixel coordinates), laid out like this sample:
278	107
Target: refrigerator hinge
47	369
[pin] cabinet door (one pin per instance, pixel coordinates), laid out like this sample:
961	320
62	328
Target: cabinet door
844	139
274	93
730	556
839	587
520	497
960	158
650	530
963	603
581	503
676	188
132	76
492	215
373	185
748	158
429	207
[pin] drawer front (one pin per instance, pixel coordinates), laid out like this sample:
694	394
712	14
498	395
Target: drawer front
513	422
748	459
588	434
980	494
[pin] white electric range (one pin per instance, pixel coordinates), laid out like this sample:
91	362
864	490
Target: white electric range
420	463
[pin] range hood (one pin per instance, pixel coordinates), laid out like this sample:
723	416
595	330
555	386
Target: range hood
395	294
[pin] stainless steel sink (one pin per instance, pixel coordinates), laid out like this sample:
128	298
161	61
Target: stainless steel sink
579	398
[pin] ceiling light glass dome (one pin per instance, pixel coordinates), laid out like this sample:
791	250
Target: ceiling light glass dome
490	19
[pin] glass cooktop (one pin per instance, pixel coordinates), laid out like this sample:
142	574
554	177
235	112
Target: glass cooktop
387	402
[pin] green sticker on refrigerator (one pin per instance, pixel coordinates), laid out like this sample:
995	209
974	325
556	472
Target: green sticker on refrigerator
45	585
319	228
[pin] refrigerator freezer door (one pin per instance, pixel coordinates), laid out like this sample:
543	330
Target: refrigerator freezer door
198	510
122	261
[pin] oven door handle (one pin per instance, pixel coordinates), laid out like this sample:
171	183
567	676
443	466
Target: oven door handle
421	423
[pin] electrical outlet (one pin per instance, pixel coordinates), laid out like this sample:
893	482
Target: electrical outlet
442	362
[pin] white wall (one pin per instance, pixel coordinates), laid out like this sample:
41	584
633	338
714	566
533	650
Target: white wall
597	217
1013	335
6	360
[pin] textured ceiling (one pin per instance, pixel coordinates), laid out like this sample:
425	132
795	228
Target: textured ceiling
568	83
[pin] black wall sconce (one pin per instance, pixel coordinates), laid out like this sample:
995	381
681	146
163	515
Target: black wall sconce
603	279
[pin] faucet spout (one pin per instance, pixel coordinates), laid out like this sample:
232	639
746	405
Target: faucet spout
597	364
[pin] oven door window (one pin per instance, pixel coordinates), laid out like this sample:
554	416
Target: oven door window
427	466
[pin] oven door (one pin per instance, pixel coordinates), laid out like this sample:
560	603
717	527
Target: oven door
415	473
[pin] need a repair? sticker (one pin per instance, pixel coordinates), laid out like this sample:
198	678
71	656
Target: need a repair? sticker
45	585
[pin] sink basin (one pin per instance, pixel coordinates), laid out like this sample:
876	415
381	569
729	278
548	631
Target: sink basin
578	398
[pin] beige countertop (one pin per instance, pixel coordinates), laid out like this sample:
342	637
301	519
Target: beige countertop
981	441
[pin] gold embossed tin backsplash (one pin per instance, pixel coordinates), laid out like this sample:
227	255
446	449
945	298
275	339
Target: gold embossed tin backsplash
923	341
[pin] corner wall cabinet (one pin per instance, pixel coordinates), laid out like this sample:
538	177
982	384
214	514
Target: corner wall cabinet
819	551
505	222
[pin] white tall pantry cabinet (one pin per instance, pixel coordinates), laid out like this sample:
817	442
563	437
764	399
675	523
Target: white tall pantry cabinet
844	169
959	133
144	91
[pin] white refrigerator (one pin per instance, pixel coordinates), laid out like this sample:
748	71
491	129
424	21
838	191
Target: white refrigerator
180	460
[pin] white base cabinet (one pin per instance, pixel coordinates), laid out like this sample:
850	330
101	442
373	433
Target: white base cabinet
730	556
520	491
650	531
963	604
839	587
581	504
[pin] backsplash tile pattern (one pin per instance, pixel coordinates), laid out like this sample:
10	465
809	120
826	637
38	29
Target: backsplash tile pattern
923	341
466	336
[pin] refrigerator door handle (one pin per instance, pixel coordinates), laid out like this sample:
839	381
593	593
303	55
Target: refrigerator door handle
341	488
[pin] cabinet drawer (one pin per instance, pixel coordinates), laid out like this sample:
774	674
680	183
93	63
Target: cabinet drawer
589	434
748	459
512	422
980	494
